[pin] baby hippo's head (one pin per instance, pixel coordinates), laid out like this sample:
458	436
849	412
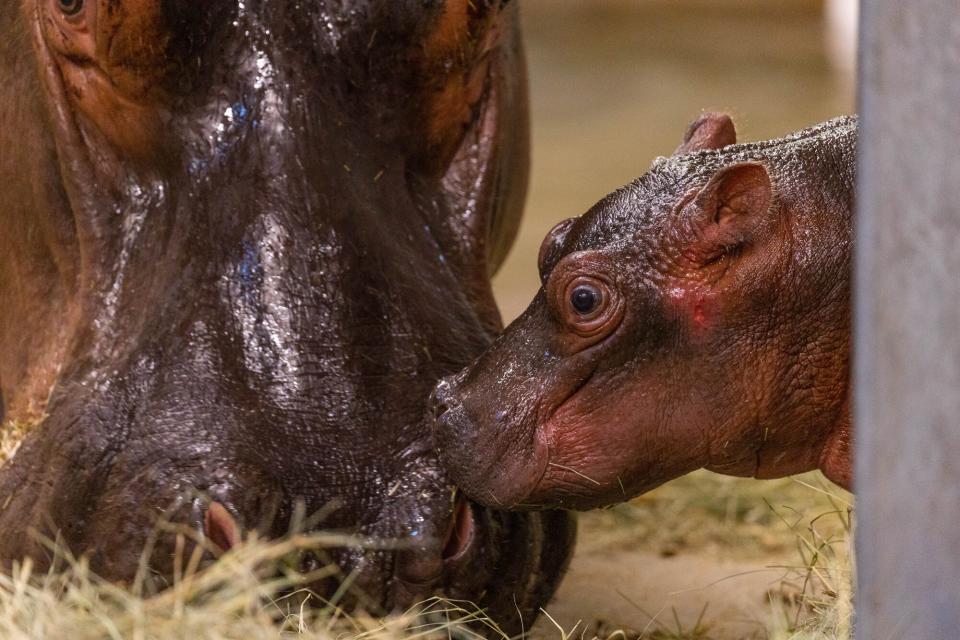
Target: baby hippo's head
681	323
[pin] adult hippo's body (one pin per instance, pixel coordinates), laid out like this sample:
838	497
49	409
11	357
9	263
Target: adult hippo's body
239	243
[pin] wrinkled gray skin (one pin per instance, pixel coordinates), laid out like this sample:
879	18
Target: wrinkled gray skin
720	336
235	272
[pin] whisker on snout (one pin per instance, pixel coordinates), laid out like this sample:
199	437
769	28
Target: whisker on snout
572	470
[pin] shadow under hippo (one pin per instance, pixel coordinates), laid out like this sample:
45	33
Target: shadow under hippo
239	244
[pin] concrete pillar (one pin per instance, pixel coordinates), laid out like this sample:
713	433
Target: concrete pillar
907	322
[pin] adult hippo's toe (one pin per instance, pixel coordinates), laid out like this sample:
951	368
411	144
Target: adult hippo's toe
239	244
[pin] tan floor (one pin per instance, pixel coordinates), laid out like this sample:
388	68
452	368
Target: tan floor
626	590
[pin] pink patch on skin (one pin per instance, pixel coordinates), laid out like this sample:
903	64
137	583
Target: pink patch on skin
694	306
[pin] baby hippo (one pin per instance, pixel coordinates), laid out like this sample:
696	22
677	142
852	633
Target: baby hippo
698	317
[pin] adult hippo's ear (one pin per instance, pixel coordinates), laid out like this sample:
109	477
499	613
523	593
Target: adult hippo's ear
459	53
468	149
475	110
709	131
728	211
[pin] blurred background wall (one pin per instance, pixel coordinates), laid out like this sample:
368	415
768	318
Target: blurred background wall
614	84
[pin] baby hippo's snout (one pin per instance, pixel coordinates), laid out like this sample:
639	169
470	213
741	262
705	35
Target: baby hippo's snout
444	397
472	431
455	435
452	430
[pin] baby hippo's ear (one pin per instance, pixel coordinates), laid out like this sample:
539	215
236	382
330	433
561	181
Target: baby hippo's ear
709	131
729	209
550	247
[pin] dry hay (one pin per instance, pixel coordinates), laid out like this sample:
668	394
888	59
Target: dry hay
249	592
11	435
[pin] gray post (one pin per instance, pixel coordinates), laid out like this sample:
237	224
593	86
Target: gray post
907	322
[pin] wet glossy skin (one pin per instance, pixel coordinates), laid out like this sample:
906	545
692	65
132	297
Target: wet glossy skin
699	317
239	243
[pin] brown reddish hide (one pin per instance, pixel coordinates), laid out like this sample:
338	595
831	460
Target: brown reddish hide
239	244
698	317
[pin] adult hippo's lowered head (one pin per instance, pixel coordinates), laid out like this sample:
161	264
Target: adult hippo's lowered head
240	241
698	317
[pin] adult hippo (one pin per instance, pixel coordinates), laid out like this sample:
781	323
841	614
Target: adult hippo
239	243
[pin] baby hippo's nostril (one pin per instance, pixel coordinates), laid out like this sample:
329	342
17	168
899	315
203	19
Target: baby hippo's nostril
442	400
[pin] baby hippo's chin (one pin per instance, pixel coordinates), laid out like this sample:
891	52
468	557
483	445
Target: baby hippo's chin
585	471
543	480
571	488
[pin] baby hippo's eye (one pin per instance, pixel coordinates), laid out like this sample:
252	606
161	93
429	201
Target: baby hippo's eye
585	299
70	7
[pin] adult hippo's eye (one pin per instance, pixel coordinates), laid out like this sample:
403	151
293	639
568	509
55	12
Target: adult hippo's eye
585	299
70	7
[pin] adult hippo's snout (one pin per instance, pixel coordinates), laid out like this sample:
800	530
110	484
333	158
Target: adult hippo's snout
454	546
239	244
524	555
